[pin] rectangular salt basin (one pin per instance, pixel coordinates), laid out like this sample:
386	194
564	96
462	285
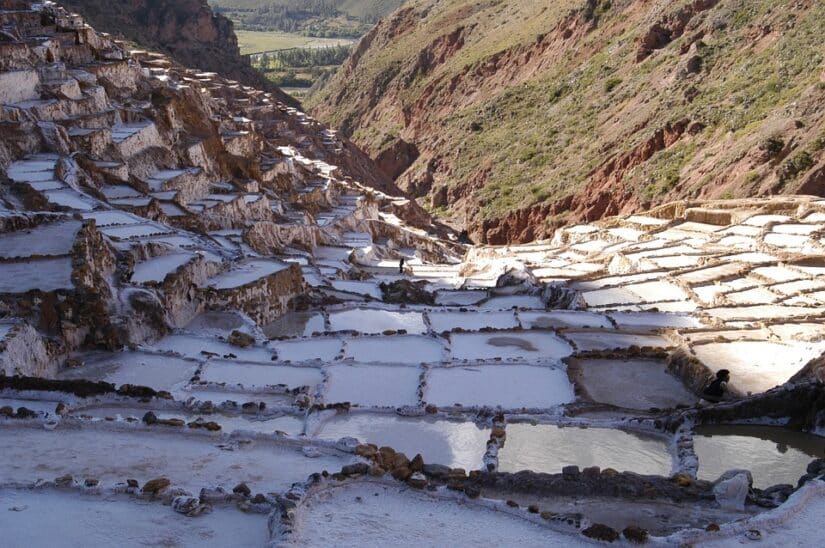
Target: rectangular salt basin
453	444
632	384
512	301
137	368
549	448
42	274
362	288
387	515
247	273
44	240
404	349
757	366
315	349
530	346
774	455
591	341
296	324
507	386
459	298
654	320
610	296
471	321
257	377
562	319
193	347
372	385
61	518
156	269
189	461
371	321
288	424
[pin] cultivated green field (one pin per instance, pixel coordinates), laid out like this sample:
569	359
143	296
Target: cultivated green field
257	42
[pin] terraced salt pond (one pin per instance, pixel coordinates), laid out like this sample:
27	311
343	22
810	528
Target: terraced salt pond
774	455
454	444
189	461
506	386
372	385
509	345
376	514
549	448
57	518
295	324
377	321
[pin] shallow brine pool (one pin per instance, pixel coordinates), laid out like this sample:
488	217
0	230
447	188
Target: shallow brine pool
773	454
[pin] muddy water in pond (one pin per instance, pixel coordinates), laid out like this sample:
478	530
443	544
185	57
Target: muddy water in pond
774	455
512	341
548	448
295	324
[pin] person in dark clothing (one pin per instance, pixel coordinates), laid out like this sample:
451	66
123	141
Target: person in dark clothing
718	388
401	266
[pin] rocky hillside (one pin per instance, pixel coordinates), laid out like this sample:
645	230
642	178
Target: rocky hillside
516	116
187	30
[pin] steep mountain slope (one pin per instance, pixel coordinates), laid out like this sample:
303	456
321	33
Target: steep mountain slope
187	30
514	117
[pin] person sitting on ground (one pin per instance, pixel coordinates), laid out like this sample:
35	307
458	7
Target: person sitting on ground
401	266
717	390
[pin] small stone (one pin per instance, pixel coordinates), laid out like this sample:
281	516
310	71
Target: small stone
548	515
152	487
458	473
431	409
64	481
150	418
570	472
311	452
683	480
635	534
533	509
498	433
61	409
338	476
609	473
417	464
472	491
377	471
437	471
600	531
91	482
258	499
366	450
712	528
7	411
132	483
402	473
241	339
512	504
355	469
242	489
591	472
417	480
188	505
25	413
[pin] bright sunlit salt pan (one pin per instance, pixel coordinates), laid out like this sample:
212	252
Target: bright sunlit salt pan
259	376
453	444
377	321
508	386
472	321
530	346
372	385
408	349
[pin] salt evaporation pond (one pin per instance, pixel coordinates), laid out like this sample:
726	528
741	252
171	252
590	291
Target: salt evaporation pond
408	349
372	385
509	345
190	461
377	321
508	386
472	321
633	384
549	448
512	301
376	514
295	324
55	518
138	368
454	444
288	424
774	455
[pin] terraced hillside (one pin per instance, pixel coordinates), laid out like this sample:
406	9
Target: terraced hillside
514	117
